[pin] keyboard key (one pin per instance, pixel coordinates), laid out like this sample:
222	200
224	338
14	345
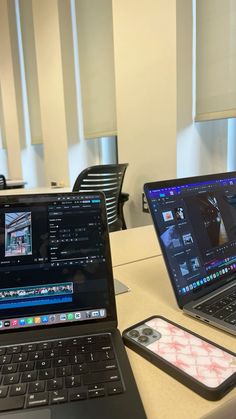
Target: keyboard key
72	381
29	376
36	387
46	363
34	356
44	345
63	371
221	315
51	353
114	388
77	394
61	343
27	366
18	389
13	349
67	351
80	369
76	359
102	366
37	399
96	393
22	357
59	396
93	356
3	391
60	362
12	403
107	355
30	347
55	384
5	359
101	377
10	368
11	378
46	374
231	319
2	351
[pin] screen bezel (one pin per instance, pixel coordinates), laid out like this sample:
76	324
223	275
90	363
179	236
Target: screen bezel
150	186
44	197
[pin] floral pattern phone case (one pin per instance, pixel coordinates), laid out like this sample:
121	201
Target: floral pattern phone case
205	367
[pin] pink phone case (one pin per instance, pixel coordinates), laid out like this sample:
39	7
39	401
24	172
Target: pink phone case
201	360
207	368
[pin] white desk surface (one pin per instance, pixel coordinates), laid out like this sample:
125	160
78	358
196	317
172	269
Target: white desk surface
15	182
43	189
151	293
133	244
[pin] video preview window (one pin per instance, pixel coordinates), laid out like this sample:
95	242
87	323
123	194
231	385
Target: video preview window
212	219
18	234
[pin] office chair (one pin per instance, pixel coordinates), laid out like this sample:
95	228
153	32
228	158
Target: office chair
107	178
3	184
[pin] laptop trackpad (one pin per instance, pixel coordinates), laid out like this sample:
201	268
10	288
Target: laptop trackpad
36	414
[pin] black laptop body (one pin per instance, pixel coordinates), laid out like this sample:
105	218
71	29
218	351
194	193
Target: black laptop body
61	354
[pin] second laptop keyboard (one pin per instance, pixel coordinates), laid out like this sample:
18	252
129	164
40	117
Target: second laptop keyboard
222	306
58	371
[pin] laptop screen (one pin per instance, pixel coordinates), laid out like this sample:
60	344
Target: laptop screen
55	264
195	220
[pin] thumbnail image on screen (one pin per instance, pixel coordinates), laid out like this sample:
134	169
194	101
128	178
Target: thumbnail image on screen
18	234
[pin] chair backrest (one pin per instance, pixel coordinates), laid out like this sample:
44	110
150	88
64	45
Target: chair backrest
107	178
3	184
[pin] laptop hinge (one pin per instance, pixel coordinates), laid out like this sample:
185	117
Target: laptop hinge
56	332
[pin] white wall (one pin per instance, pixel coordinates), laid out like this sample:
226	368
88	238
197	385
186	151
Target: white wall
145	70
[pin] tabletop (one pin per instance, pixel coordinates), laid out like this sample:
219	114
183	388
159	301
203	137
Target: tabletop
133	244
151	294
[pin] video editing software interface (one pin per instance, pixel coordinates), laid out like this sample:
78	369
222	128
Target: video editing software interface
197	229
52	261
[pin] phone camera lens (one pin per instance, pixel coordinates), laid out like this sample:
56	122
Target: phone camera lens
147	331
134	333
143	339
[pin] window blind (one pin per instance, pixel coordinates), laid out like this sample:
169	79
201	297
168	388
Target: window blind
96	59
215	59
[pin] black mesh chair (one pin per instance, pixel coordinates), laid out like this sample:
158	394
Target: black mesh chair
107	178
3	184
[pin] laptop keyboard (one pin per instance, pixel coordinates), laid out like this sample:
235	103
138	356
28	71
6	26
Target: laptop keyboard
58	371
221	307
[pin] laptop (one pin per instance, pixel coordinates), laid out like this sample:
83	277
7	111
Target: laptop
61	354
195	222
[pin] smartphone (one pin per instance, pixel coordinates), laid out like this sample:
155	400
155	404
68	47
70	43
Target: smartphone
206	368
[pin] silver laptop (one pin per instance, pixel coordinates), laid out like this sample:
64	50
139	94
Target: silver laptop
195	221
61	354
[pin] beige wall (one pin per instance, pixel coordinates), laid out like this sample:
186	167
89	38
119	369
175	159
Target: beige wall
145	70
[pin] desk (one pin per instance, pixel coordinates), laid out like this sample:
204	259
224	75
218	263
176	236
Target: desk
15	183
151	293
43	189
133	244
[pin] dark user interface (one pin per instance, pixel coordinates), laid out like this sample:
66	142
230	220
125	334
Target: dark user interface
52	259
197	229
